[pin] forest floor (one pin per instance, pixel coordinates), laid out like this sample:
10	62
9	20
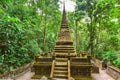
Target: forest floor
101	76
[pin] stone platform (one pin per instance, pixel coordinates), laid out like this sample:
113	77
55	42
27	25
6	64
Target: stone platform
101	76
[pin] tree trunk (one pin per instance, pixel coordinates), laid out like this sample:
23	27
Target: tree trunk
76	35
45	31
91	37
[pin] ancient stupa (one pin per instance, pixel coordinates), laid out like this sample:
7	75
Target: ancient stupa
64	63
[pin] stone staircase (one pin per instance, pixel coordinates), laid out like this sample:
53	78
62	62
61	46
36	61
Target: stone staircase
64	51
61	65
60	69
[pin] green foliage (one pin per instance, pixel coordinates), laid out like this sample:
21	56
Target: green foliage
117	62
109	56
22	30
98	25
11	34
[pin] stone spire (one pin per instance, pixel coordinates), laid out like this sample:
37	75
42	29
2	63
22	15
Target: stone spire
64	19
64	33
64	40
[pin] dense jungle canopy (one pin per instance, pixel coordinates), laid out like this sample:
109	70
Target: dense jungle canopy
30	27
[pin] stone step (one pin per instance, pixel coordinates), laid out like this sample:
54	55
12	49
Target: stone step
64	54
64	42
65	51
61	68
60	72
61	54
64	46
58	79
61	59
64	76
61	64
